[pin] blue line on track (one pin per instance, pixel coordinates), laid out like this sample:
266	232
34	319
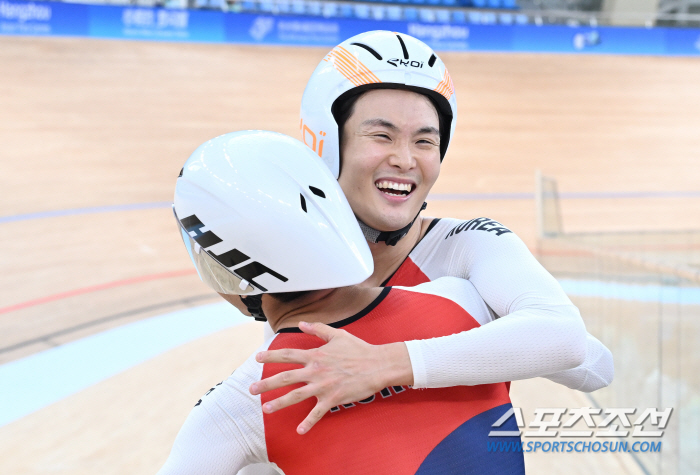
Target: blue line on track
583	195
34	382
574	195
76	211
586	195
633	292
479	196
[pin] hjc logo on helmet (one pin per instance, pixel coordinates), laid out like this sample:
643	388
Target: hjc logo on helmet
413	64
307	132
193	225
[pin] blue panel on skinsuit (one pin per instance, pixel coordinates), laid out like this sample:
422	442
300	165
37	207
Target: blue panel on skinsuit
465	451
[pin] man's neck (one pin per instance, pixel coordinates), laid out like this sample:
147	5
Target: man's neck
388	258
325	306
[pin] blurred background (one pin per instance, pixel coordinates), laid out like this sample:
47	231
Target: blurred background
578	129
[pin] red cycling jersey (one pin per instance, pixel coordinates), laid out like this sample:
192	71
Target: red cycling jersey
397	430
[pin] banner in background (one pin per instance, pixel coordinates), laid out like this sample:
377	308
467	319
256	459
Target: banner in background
19	17
298	30
156	24
43	18
564	39
681	41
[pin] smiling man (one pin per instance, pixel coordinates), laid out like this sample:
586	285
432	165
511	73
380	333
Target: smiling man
377	117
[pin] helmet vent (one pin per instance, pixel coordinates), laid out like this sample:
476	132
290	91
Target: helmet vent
403	47
374	53
431	61
317	192
181	170
303	203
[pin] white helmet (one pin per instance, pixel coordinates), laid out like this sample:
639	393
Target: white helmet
260	212
372	60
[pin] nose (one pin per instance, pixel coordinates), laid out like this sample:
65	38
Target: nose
402	157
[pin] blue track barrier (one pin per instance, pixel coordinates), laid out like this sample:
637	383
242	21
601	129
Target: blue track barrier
101	21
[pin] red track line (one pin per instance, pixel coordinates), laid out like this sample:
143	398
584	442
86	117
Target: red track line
95	288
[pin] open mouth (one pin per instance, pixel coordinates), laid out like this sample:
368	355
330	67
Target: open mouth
393	188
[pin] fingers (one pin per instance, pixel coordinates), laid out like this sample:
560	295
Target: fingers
323	331
314	416
277	381
286	355
289	399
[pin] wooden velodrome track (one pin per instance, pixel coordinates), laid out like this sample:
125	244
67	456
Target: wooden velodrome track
95	123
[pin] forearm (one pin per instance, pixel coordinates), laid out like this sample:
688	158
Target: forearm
539	332
522	345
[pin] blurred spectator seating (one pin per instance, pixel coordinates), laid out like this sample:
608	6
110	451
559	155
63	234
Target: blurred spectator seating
426	11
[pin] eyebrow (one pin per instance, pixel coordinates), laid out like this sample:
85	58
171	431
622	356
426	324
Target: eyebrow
385	123
379	123
428	130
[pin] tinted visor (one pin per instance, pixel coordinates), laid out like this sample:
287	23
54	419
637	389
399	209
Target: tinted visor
210	270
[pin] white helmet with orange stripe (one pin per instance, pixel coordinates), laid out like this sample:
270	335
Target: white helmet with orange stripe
372	60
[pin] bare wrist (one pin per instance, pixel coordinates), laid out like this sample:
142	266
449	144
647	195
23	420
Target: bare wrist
397	369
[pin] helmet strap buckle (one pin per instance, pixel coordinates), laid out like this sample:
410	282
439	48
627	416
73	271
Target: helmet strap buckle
254	305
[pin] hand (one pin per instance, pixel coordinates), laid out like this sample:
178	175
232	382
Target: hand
346	369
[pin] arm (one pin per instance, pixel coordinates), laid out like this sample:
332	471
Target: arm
223	432
201	447
347	369
522	346
596	372
537	330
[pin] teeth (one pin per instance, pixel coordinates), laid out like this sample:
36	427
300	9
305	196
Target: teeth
394	186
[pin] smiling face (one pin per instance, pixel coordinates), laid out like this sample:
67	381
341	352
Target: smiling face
390	156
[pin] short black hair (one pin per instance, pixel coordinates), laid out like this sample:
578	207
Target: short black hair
286	297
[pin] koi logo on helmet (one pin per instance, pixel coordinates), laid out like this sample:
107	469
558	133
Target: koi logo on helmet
396	62
309	138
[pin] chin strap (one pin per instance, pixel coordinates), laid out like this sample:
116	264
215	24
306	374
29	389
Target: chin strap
389	237
254	305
